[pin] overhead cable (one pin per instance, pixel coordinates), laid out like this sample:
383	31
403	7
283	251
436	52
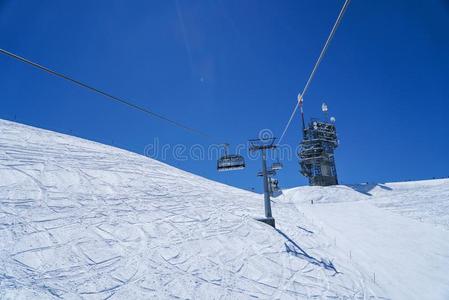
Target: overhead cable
106	94
315	67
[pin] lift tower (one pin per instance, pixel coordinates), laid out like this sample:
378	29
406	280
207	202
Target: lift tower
263	145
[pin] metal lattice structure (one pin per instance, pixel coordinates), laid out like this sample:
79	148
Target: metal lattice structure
316	153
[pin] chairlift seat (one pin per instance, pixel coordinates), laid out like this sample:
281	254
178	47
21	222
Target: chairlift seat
230	162
277	166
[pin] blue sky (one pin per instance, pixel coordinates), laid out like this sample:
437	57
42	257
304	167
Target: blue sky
232	68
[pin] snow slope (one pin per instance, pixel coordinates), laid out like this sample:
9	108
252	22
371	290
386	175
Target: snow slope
399	232
81	220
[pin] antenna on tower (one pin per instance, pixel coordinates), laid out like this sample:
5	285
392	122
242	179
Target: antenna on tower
302	112
325	109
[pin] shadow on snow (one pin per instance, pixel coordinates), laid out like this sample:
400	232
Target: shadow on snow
293	248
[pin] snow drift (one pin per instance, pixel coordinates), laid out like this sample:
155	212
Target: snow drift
81	220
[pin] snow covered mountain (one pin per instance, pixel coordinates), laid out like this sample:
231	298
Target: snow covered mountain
81	220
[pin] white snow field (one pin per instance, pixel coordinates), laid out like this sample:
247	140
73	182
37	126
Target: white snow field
81	220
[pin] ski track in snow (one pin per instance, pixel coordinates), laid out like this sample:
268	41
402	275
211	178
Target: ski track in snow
81	220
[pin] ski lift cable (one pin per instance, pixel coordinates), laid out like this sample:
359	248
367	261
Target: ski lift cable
312	74
107	95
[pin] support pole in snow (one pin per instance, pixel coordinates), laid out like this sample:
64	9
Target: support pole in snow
266	192
263	145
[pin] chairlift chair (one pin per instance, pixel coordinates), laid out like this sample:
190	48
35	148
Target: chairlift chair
274	184
277	165
230	162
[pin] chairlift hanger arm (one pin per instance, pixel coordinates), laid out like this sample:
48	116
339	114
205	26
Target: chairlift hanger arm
262	144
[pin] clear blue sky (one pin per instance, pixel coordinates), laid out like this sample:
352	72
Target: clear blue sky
234	67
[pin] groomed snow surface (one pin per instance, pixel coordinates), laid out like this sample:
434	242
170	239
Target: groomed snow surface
81	220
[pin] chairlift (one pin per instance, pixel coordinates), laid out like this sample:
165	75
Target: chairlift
230	162
273	185
277	165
